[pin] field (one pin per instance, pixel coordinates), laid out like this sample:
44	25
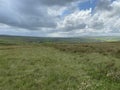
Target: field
32	64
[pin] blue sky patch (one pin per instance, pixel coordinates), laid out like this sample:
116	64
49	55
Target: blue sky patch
66	12
87	4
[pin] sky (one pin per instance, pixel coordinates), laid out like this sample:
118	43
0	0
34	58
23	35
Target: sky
60	18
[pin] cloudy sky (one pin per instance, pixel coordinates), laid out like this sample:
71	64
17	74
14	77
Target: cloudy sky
60	18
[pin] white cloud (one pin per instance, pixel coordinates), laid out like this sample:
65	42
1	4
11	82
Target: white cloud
76	20
101	22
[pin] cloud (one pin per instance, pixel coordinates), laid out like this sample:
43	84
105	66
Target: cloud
76	20
58	17
31	14
104	5
25	14
104	20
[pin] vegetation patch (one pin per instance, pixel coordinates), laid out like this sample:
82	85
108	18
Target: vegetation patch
59	66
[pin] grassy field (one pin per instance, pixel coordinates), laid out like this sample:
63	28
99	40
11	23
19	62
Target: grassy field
26	65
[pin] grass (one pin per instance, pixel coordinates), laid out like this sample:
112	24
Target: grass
59	66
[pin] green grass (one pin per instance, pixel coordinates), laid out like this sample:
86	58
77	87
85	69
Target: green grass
55	66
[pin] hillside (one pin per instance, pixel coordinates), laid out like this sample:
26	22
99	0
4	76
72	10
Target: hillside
59	66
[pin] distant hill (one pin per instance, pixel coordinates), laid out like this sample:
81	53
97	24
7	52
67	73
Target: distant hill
24	39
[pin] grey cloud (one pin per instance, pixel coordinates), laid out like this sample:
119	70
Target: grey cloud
97	25
27	14
48	2
56	2
75	27
103	5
